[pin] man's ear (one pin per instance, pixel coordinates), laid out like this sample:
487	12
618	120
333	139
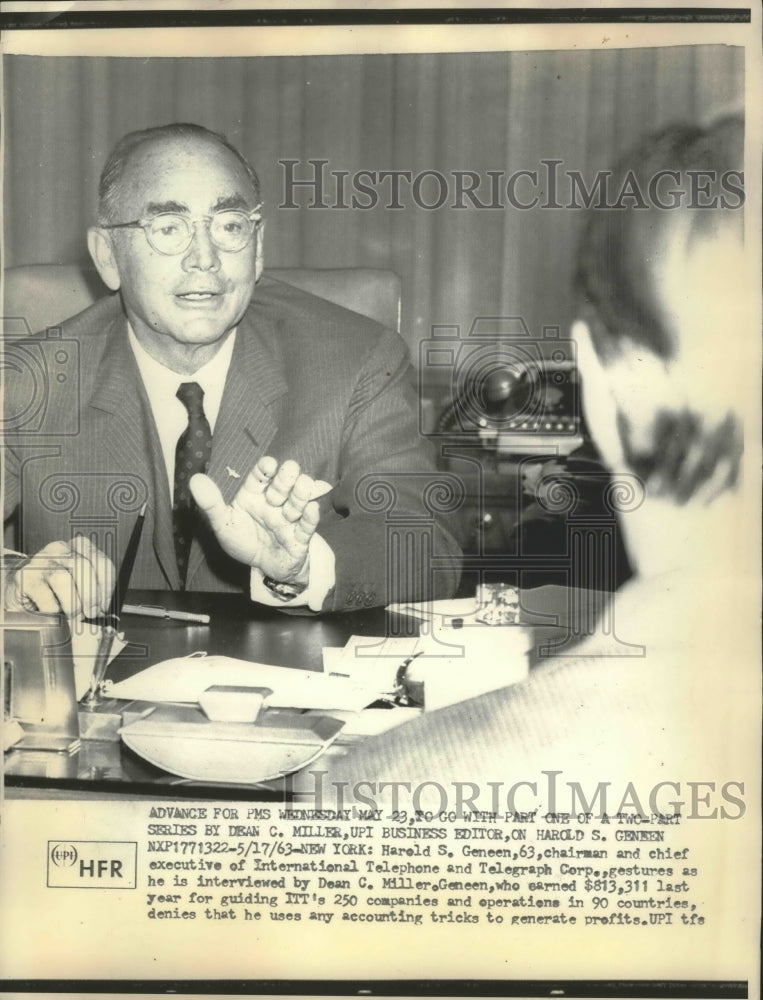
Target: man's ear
259	257
598	399
101	250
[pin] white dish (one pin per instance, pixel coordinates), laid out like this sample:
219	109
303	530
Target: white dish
180	739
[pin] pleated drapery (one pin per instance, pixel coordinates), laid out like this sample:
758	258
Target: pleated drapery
446	113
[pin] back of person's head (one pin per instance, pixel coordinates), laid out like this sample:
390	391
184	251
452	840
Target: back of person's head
661	292
129	144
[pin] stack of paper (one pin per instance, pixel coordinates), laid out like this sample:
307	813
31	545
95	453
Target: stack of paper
185	679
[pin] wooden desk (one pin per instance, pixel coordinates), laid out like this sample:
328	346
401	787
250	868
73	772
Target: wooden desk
244	630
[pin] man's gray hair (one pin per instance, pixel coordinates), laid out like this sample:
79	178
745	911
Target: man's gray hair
113	170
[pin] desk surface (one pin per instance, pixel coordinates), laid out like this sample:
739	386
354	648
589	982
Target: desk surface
248	631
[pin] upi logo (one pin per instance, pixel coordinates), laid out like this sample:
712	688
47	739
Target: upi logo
63	855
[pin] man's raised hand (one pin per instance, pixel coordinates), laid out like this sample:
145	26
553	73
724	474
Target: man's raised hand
270	522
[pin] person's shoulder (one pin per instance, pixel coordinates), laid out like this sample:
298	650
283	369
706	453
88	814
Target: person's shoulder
310	323
72	350
86	327
93	321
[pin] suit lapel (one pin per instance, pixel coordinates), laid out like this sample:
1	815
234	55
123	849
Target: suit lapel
131	440
246	423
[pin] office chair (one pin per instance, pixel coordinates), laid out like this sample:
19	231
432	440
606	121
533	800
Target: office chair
37	296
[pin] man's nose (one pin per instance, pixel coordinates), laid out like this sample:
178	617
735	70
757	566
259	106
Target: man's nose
202	254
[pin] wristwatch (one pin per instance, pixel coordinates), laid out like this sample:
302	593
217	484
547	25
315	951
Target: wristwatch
283	591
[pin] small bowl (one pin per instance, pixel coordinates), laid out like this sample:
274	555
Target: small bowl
233	702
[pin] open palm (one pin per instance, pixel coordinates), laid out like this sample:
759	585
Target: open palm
271	520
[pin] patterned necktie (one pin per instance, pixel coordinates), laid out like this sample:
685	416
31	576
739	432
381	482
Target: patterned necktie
191	456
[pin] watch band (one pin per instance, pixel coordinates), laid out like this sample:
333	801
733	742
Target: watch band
283	591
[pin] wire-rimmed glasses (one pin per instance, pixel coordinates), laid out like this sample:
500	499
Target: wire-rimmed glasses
170	233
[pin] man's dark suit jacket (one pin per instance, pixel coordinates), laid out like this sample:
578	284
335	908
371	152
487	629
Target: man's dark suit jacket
308	381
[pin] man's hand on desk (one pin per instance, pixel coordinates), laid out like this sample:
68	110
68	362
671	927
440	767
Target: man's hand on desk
270	522
76	578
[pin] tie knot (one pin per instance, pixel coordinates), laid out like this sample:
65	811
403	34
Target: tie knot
191	395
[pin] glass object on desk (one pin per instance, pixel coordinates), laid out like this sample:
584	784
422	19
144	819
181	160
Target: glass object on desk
497	604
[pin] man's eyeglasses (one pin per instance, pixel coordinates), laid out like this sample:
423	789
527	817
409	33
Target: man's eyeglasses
171	234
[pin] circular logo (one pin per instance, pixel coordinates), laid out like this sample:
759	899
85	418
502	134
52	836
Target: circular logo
63	855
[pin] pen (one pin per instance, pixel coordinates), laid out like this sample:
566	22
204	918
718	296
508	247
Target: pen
110	620
125	570
148	611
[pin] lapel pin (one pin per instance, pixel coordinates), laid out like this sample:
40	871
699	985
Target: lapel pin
232	472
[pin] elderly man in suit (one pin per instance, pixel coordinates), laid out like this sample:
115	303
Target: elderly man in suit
190	381
664	330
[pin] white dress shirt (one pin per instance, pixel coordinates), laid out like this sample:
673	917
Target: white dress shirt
161	385
171	419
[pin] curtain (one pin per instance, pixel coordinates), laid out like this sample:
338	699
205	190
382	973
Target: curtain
478	113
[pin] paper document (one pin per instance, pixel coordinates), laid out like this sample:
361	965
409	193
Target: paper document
442	611
453	664
184	679
370	660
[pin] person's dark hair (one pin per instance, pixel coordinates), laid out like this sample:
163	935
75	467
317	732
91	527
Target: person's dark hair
111	175
616	289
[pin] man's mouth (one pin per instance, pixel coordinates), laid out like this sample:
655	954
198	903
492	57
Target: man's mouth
197	296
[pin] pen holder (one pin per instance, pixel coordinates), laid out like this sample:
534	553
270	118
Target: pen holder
105	639
100	720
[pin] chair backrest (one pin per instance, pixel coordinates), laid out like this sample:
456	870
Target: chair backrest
37	296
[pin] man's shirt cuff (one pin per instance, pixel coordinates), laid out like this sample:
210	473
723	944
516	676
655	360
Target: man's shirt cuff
321	578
